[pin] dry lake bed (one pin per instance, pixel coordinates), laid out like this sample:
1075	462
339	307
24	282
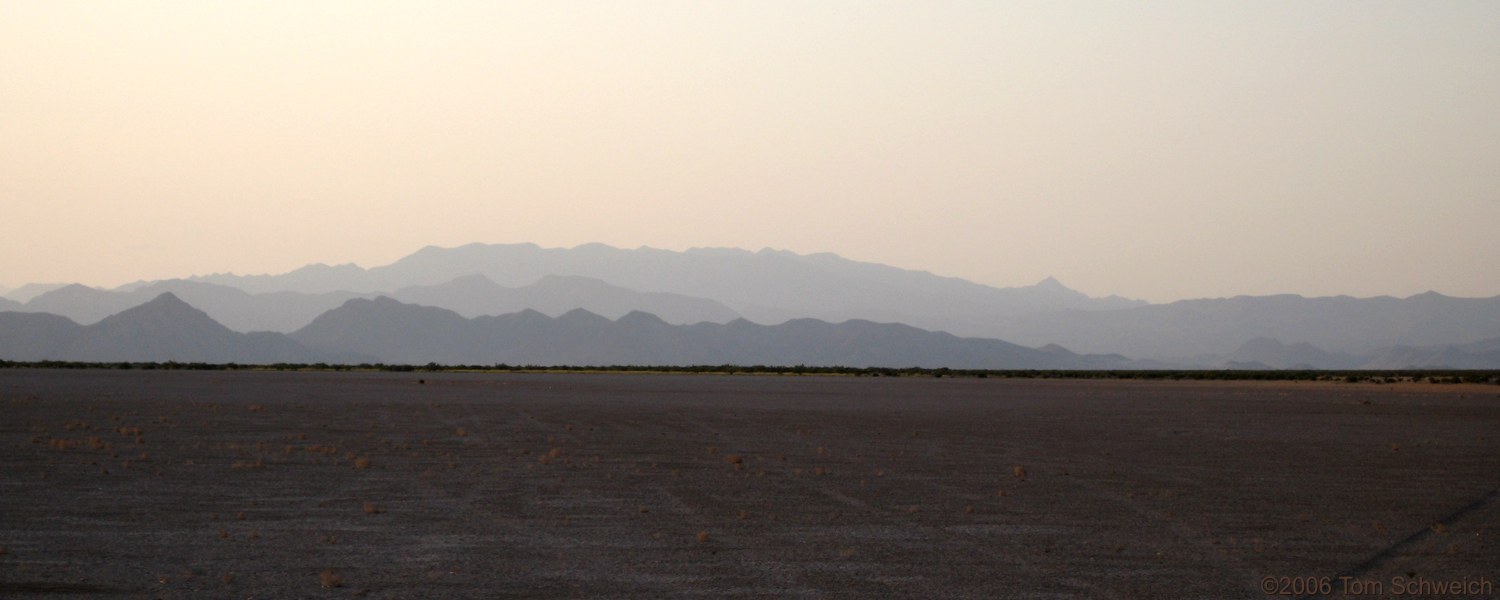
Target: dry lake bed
234	484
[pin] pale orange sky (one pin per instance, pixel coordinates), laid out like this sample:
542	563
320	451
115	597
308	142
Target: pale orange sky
1149	149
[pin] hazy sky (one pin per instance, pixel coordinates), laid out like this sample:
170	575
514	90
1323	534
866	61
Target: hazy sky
1159	150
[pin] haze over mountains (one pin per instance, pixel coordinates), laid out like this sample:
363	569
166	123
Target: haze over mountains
471	296
768	286
402	333
523	303
1189	328
384	330
163	329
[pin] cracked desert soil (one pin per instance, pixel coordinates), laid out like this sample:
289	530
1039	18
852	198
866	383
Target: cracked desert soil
236	484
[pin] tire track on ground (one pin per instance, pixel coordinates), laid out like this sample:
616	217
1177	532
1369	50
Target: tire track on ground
1398	550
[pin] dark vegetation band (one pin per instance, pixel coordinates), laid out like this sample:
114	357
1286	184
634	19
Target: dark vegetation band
1444	376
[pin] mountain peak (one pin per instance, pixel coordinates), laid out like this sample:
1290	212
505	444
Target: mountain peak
165	306
70	290
581	316
167	299
638	317
165	315
1051	283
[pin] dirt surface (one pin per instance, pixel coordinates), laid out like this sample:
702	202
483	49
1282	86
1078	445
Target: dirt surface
307	485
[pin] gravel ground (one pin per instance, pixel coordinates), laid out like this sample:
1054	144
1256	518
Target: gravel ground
180	484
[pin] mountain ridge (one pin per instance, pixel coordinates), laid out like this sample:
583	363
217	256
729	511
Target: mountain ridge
164	329
393	331
382	329
1339	324
769	286
284	311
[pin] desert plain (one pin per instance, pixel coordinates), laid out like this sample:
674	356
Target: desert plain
265	484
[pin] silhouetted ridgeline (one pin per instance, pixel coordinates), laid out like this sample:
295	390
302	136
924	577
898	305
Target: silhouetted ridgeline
1425	330
384	330
164	329
286	311
392	332
789	295
1375	377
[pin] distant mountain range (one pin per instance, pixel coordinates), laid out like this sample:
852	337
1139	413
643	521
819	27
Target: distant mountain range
1266	353
29	291
286	311
384	330
730	288
164	329
1183	330
768	286
477	295
403	333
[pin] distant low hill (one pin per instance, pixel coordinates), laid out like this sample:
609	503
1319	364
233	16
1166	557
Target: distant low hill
1266	353
1273	354
1340	325
1484	354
